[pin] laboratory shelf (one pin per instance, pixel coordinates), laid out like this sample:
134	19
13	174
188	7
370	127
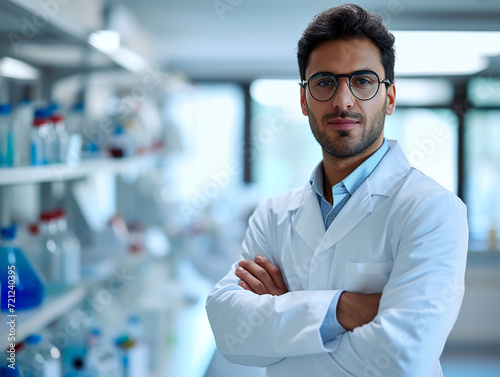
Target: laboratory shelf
62	30
62	172
57	302
194	344
33	320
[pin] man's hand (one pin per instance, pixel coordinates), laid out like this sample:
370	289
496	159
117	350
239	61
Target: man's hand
261	276
356	309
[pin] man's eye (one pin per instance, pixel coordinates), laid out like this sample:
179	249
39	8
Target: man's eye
363	80
324	83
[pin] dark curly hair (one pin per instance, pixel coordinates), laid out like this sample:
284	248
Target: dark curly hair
347	21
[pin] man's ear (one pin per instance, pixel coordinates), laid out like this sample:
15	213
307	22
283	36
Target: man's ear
391	99
303	100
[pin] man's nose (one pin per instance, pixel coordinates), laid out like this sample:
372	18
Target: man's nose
343	98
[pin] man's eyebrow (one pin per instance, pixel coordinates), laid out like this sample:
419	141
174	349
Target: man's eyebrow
348	73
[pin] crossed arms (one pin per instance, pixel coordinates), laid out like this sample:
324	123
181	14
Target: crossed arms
260	276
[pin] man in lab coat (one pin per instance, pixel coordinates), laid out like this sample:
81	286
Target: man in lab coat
360	272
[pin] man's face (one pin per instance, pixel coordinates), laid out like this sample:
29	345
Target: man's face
344	125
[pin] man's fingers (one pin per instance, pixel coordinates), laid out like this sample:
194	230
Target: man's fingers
245	286
248	277
262	276
274	272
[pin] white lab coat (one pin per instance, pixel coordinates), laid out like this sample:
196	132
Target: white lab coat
401	234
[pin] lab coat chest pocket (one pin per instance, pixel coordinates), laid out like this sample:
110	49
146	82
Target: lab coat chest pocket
366	277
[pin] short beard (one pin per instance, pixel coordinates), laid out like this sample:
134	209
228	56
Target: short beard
343	146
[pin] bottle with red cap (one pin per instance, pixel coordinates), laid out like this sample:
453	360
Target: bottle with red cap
51	253
60	142
71	248
60	250
29	240
61	139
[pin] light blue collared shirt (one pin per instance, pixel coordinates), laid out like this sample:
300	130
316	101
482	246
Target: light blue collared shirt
341	193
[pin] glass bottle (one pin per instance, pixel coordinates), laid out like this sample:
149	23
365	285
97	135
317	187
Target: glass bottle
51	253
42	136
17	272
6	137
71	250
61	138
22	121
39	358
102	358
75	125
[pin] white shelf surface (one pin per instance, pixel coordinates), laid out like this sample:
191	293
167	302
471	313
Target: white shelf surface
33	320
62	172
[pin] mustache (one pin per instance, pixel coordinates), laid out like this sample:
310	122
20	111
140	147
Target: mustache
343	114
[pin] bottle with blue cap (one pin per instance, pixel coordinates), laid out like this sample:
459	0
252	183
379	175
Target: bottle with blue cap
20	280
6	136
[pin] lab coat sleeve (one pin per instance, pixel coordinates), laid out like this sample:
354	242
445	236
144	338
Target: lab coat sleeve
260	330
421	301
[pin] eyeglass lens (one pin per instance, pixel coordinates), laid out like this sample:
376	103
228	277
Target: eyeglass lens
364	85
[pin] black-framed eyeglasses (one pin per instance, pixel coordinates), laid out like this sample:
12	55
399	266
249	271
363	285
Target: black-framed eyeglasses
364	85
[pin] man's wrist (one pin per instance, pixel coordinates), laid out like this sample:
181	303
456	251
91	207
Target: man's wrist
356	309
331	328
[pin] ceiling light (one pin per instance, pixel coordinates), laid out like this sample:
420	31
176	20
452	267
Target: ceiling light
444	52
17	69
107	41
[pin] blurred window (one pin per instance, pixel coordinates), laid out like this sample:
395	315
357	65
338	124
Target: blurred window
424	92
482	163
429	139
484	91
209	119
284	150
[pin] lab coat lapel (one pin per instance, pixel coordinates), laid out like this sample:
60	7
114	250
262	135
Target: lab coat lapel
384	179
355	210
307	221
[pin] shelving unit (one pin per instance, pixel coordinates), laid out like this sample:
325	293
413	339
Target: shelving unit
33	320
193	330
62	172
37	26
58	47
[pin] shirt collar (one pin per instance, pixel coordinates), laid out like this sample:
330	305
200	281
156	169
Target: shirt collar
353	180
